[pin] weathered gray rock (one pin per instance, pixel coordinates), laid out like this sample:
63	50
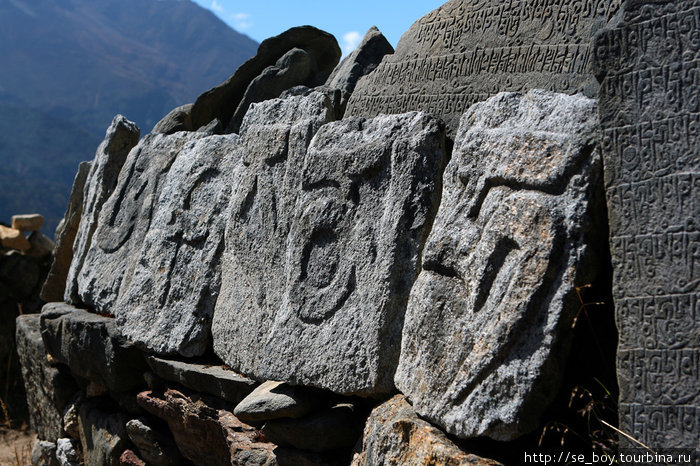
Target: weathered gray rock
323	244
55	285
395	435
169	304
68	452
274	400
48	387
649	113
103	436
27	222
222	101
44	453
215	380
124	220
179	119
361	62
489	318
334	428
121	136
91	346
155	447
467	50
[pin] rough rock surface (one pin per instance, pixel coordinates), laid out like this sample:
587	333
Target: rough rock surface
467	50
124	220
331	429
103	434
55	284
12	238
67	452
44	453
91	346
323	245
179	119
27	222
395	435
205	378
169	304
130	458
48	387
156	448
489	318
121	136
71	416
361	62
274	400
222	101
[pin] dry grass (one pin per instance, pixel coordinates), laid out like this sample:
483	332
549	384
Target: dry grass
16	447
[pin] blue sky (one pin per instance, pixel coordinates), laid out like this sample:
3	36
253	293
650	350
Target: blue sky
347	21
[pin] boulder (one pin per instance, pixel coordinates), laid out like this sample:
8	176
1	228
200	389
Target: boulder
103	436
91	346
179	119
274	400
28	222
323	245
361	62
157	448
168	304
395	435
12	238
48	387
44	453
205	378
335	428
468	50
122	135
222	101
124	220
68	452
489	319
55	285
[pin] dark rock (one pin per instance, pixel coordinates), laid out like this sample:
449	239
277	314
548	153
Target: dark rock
649	113
179	119
91	346
71	416
166	301
489	320
156	447
48	387
20	274
222	101
467	51
274	400
323	245
103	433
361	62
68	452
395	435
44	453
55	285
41	246
215	380
335	428
121	136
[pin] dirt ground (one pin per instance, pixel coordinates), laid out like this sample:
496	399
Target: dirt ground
16	447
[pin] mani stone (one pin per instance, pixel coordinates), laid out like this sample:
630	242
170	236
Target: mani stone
468	50
361	62
121	136
55	285
168	306
124	220
489	318
226	99
649	113
30	222
322	245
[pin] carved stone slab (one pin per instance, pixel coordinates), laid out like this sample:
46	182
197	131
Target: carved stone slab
468	50
169	304
650	114
489	317
323	245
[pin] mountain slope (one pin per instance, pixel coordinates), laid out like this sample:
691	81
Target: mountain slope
76	63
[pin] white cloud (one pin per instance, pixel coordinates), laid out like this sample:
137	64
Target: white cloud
241	21
217	7
350	41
